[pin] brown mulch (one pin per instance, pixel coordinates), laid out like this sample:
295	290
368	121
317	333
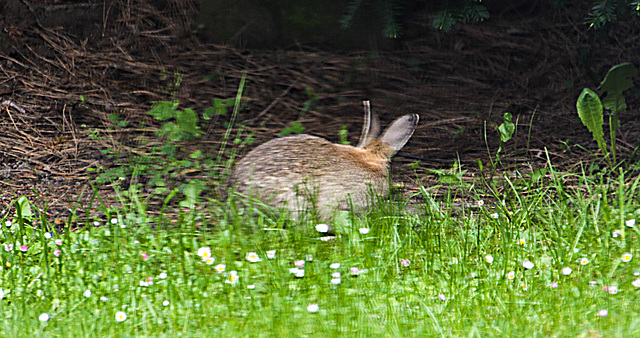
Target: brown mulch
58	88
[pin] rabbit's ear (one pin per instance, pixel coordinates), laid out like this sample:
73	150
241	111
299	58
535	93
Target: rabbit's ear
397	135
371	126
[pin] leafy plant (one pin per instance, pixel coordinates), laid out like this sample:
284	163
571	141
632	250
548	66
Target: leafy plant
294	128
605	11
218	108
452	12
164	165
343	135
506	130
454	175
183	125
591	108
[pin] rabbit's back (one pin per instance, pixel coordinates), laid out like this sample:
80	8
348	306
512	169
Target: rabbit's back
295	171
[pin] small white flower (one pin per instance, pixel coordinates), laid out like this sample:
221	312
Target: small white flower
480	203
593	283
566	271
442	297
336	281
299	263
335	265
162	275
494	215
232	278
253	257
58	241
114	221
220	268
522	241
143	283
44	317
616	233
584	261
251	287
8	223
364	231
96	223
165	303
297	272
204	252
48	235
488	259
87	293
313	308
322	227
603	313
612	289
336	275
527	264
271	254
626	257
104	299
511	275
121	316
630	222
2	293
308	257
636	283
209	261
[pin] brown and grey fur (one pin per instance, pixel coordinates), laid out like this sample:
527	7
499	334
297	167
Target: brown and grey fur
302	171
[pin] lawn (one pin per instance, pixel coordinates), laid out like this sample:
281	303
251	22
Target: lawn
528	255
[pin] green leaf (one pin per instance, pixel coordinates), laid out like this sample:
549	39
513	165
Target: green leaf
591	114
163	110
187	120
506	128
24	208
294	128
191	192
618	80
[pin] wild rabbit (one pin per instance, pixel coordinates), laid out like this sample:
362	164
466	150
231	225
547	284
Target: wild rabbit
299	172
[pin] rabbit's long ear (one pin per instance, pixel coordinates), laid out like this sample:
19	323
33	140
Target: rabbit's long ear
400	131
371	126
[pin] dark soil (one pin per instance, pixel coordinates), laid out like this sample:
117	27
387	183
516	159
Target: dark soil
60	80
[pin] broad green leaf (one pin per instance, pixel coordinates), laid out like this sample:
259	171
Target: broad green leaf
191	193
163	110
590	113
187	120
24	208
507	128
617	81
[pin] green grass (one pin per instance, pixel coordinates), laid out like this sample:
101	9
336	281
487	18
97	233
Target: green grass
446	288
